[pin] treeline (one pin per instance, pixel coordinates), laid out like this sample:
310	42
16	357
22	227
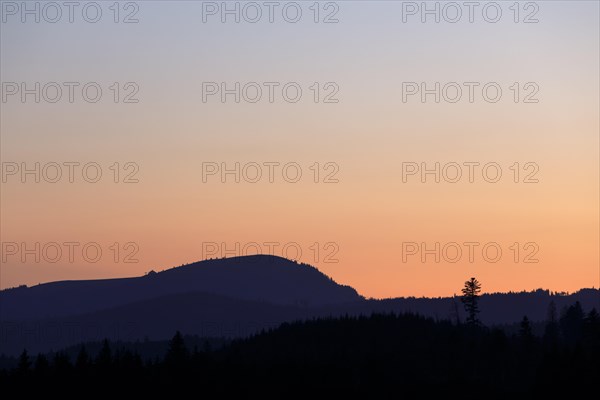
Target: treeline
377	355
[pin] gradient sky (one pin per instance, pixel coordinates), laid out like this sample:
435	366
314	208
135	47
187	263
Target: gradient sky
369	134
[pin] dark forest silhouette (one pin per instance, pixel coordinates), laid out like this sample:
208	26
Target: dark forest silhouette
380	354
333	340
230	298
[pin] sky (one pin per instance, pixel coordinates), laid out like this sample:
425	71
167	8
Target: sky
330	155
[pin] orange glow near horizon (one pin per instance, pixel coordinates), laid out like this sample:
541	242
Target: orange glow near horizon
352	230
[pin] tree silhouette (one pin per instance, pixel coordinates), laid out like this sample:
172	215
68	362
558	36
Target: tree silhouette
571	323
61	363
470	297
591	327
41	365
551	329
454	314
525	332
177	353
24	363
104	358
83	360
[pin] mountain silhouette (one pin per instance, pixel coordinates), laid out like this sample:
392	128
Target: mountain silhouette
230	298
263	278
